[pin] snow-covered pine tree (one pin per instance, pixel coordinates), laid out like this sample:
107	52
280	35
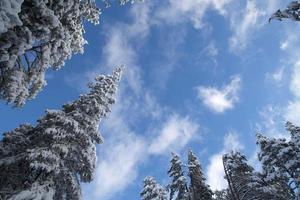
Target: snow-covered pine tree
275	188
243	182
291	12
36	35
281	160
152	190
178	187
48	161
237	174
198	189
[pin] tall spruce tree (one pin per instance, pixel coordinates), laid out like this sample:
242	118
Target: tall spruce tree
243	182
36	35
198	189
48	161
237	174
178	187
152	190
281	160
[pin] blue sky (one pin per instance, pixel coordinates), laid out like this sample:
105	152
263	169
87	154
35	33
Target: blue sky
200	74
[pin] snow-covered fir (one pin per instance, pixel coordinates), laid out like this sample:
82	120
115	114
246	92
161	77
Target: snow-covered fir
280	160
178	186
49	160
198	189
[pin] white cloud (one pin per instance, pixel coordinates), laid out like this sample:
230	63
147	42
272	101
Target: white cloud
284	45
215	169
291	45
176	132
176	12
118	52
243	26
220	100
118	168
215	173
288	43
123	40
293	112
142	20
232	143
246	21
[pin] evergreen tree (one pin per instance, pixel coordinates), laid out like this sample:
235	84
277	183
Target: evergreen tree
237	174
281	160
178	185
48	161
36	35
152	190
243	182
199	190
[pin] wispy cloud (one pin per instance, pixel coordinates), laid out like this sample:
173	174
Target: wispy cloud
220	100
243	26
246	21
175	12
232	142
118	166
271	121
215	169
211	51
291	46
292	112
175	134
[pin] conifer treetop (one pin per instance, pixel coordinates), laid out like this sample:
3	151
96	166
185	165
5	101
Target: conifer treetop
152	190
